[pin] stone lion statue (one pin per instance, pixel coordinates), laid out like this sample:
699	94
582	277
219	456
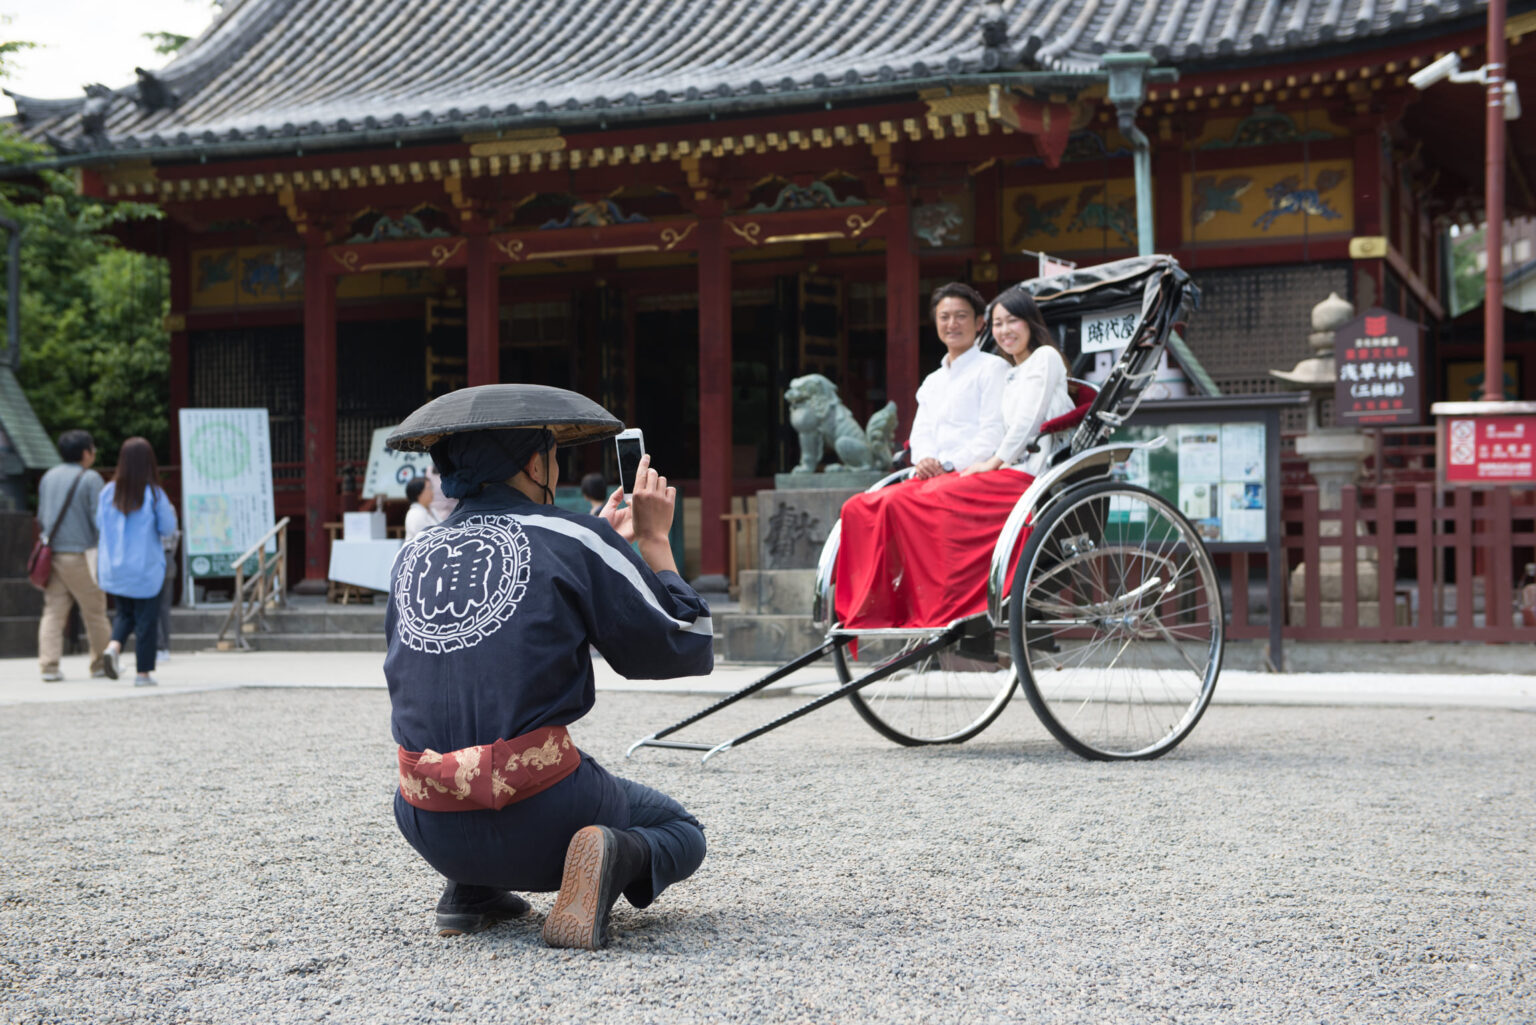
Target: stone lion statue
823	423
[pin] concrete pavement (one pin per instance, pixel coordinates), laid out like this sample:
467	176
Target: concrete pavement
208	671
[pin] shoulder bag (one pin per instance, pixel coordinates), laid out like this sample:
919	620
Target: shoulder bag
40	562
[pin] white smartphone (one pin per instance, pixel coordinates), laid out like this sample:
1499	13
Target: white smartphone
631	446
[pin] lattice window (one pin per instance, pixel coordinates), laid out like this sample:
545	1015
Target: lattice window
1256	319
380	380
253	368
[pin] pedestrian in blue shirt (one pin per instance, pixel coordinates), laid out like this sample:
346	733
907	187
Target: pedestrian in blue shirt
133	515
492	619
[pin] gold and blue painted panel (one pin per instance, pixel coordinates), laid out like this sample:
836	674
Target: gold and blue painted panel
246	276
1071	217
1271	201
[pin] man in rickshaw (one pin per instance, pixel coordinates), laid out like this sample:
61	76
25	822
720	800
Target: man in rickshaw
491	621
957	422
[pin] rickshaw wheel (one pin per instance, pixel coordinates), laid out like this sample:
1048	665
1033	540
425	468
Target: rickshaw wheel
946	698
1117	626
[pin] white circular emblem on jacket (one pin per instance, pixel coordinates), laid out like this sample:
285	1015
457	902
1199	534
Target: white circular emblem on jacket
459	583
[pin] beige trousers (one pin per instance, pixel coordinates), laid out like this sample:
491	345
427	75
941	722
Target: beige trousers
73	580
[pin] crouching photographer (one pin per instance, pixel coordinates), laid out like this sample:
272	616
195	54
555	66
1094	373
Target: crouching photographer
491	620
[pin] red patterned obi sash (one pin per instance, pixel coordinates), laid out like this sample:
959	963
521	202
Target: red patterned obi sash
488	776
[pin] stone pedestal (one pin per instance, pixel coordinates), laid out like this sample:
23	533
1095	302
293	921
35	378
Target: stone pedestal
794	519
841	480
1333	457
793	523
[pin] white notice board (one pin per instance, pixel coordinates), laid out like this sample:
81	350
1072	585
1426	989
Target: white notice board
226	486
390	471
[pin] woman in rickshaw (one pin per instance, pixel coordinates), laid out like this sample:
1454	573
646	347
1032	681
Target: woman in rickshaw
917	554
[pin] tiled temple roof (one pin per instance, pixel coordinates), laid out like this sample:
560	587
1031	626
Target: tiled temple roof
338	72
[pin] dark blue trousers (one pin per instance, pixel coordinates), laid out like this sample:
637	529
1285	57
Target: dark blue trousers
140	617
522	846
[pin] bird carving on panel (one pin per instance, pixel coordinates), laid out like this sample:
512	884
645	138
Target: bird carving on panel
1210	196
1036	218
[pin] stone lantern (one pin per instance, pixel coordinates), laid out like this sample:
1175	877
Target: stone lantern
1334	456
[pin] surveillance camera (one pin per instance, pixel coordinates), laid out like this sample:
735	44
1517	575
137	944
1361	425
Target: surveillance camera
1443	68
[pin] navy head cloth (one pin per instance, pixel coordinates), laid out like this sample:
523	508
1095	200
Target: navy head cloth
472	459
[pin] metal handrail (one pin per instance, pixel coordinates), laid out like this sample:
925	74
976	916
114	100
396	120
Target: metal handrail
248	611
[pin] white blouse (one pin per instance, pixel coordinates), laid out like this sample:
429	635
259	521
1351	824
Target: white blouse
1035	391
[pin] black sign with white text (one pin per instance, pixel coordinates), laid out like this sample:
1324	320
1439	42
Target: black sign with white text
1379	371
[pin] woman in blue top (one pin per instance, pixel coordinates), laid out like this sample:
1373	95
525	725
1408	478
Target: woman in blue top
133	514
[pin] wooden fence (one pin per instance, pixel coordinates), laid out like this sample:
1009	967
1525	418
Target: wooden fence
1449	561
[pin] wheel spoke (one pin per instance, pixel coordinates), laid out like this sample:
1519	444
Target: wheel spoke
1138	624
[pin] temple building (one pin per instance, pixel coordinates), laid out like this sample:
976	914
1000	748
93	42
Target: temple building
677	208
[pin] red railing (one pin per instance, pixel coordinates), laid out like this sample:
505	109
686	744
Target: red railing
1448	563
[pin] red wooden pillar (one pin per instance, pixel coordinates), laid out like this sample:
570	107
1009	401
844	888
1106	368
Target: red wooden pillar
482	311
714	397
903	327
1370	274
320	502
180	347
1168	192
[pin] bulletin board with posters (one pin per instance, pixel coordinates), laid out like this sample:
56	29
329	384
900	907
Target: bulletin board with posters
226	487
1220	466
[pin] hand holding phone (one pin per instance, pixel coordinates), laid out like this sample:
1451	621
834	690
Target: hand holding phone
652	505
630	446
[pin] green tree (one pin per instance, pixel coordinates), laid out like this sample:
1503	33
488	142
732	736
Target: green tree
1467	282
9	49
94	351
167	42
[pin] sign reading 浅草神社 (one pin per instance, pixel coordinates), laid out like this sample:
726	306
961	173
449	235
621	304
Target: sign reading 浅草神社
1377	357
226	486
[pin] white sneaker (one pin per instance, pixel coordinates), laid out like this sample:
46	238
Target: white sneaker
162	656
109	664
53	677
145	681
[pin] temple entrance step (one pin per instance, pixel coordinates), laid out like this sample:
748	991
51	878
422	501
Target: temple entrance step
307	624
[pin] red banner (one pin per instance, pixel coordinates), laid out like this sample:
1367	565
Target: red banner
1490	449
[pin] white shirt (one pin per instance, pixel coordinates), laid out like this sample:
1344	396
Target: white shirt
442	505
418	518
1033	392
959	417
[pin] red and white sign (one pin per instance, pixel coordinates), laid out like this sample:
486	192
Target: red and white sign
1490	449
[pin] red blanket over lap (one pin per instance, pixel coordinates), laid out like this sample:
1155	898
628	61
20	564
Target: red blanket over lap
916	554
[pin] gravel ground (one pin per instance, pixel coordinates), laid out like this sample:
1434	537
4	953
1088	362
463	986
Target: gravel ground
231	857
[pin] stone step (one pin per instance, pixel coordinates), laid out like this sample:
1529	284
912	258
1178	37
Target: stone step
287	642
18	636
342	619
18	598
771	639
784	592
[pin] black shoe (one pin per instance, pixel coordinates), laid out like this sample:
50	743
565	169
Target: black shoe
1041	638
463	909
978	648
599	864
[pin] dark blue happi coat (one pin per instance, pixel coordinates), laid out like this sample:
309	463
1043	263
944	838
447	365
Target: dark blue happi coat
491	621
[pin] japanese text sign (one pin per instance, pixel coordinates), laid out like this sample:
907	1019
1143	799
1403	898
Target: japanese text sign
1490	449
1377	356
1109	332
